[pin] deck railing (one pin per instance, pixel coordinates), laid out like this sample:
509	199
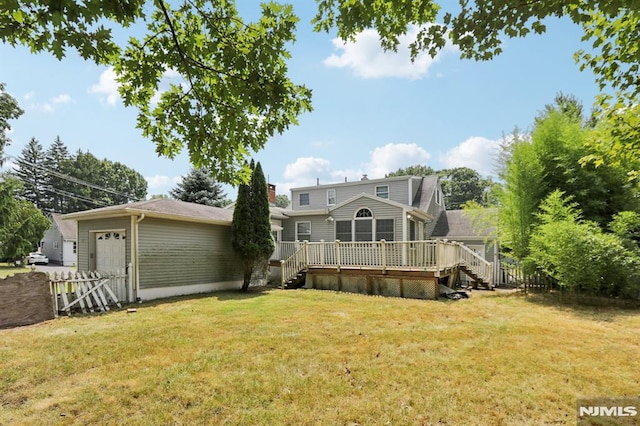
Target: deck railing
428	255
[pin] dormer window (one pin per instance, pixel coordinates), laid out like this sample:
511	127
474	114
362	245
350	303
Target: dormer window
382	191
331	197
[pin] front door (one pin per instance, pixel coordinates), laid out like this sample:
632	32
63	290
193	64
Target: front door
110	251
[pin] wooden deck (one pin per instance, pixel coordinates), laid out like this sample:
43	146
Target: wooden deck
428	258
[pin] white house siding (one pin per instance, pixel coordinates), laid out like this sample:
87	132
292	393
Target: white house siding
398	191
179	254
87	243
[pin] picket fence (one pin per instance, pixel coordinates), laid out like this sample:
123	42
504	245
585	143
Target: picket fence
89	291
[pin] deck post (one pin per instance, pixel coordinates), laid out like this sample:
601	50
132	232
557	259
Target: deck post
306	253
384	256
337	255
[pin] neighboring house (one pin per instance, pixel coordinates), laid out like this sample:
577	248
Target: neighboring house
173	247
59	242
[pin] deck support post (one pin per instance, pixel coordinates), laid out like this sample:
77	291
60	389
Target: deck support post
384	256
337	255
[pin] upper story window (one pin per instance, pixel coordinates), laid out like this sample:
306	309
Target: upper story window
331	197
438	197
304	198
382	191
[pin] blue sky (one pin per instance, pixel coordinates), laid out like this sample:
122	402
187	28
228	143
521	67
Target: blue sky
374	112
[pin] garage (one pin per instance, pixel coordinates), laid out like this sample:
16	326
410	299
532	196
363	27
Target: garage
110	251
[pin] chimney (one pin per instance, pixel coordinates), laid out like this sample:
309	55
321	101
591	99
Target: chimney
272	194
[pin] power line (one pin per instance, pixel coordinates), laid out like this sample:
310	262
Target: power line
72	179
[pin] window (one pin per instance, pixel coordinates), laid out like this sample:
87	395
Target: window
304	199
343	230
384	229
438	197
382	191
55	244
364	230
331	197
364	213
303	231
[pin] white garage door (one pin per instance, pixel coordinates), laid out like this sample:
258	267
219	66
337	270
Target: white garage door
110	251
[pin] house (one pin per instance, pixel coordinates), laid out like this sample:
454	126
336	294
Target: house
170	247
59	242
394	209
400	216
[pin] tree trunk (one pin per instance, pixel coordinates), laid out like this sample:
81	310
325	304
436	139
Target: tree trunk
248	271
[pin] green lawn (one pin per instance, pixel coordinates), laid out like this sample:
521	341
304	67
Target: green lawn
319	357
7	269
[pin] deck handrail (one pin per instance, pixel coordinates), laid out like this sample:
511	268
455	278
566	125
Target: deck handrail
434	255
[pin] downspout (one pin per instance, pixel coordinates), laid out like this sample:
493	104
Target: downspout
135	257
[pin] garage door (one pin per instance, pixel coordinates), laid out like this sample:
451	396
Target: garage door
110	251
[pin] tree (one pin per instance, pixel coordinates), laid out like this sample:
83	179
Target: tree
22	225
480	27
282	201
579	255
461	185
56	164
9	110
199	187
522	191
417	170
251	228
30	170
233	92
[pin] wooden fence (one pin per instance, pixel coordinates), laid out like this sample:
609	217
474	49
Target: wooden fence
89	291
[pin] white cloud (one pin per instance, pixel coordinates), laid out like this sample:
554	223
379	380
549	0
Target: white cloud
61	99
367	59
108	86
28	96
160	184
476	152
391	157
50	105
308	171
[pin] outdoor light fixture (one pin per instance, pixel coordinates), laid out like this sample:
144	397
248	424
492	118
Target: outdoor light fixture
330	219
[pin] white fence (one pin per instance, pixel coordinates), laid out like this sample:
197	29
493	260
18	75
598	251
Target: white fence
90	291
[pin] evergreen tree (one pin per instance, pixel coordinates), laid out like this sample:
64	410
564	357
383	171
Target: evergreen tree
251	227
31	171
56	162
199	187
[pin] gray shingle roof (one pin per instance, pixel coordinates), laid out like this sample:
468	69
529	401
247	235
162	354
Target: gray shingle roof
455	224
425	192
68	228
161	207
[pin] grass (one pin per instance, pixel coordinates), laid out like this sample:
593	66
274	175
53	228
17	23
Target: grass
7	269
319	357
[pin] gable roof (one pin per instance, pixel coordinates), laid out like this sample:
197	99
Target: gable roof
161	208
414	211
457	224
68	228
